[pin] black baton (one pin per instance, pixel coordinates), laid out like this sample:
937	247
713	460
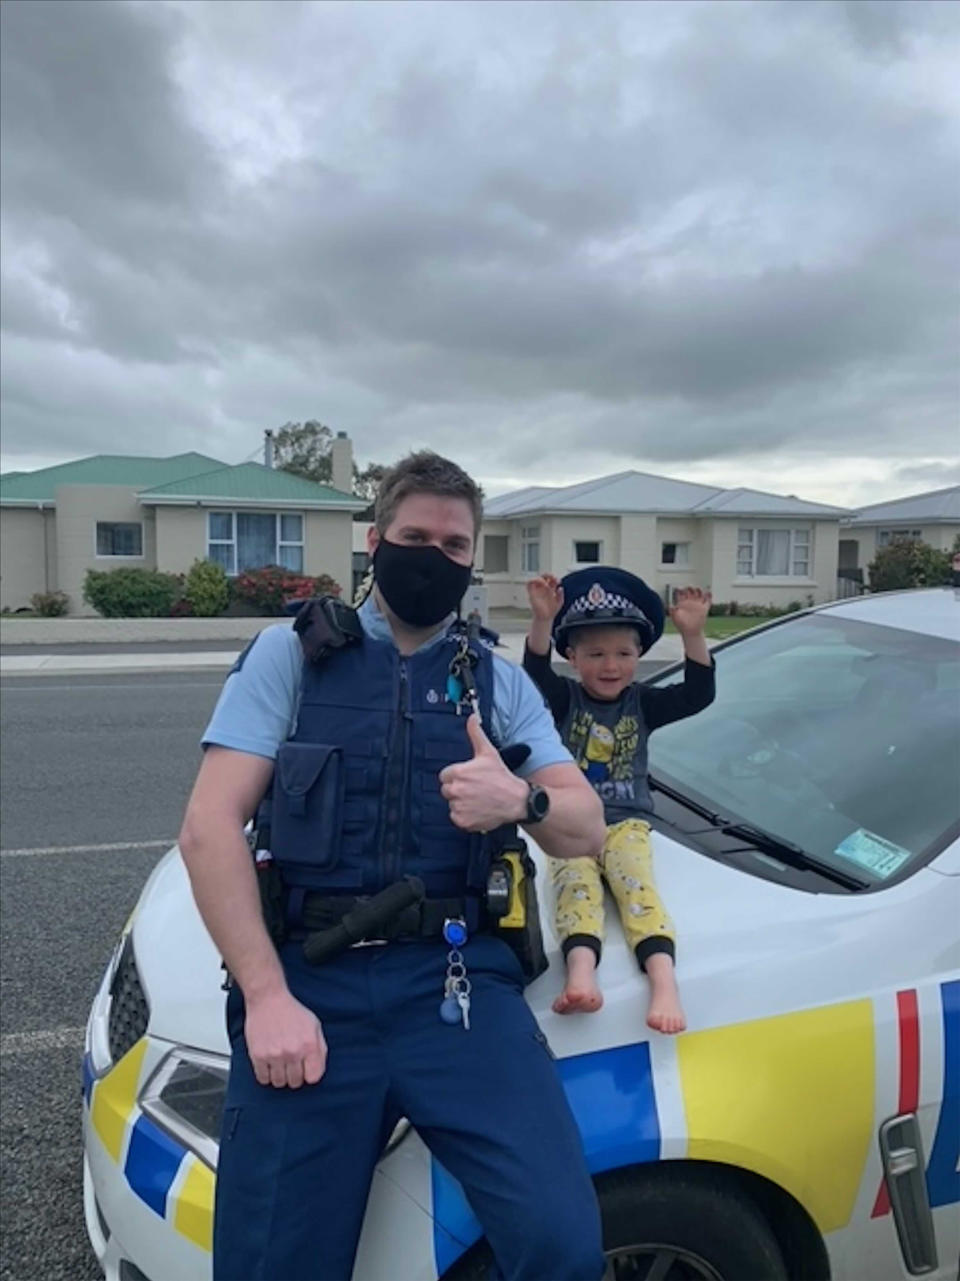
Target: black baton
366	920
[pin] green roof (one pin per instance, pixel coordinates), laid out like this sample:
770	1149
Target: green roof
182	478
250	483
102	469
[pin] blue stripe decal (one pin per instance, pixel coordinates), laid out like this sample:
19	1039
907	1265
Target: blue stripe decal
153	1159
611	1094
88	1078
943	1172
612	1097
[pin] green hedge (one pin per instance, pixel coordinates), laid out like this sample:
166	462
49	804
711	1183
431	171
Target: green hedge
132	593
207	589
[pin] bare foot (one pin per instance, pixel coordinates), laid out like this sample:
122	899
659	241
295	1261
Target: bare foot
665	1013
581	994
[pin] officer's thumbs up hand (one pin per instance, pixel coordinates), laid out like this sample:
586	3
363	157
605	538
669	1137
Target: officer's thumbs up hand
481	792
481	744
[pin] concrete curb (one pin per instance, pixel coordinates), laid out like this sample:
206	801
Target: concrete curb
133	631
113	664
669	649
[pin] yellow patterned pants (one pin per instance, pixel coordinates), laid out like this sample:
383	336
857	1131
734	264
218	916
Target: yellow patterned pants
626	864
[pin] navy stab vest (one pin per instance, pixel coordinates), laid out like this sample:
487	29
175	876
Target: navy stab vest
356	801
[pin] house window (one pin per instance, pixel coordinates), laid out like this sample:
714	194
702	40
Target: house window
496	553
773	552
530	549
115	538
674	553
587	553
290	541
250	540
887	536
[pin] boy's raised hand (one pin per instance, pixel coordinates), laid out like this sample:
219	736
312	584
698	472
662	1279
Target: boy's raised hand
691	606
546	597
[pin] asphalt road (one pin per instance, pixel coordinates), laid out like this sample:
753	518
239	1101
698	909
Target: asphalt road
94	775
87	763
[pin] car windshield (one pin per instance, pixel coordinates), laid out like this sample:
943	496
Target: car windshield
838	736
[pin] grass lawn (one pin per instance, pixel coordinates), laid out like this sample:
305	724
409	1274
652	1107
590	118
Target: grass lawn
719	627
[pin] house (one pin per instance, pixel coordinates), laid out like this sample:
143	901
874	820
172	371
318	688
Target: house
116	510
933	517
742	544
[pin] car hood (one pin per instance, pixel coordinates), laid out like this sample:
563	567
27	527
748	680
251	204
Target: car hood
733	929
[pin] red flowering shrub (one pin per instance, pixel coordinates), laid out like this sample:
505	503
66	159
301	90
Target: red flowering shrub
273	586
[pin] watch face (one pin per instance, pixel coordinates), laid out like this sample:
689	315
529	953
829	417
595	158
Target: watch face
538	804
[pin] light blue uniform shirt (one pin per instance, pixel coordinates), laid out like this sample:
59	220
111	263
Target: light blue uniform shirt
257	708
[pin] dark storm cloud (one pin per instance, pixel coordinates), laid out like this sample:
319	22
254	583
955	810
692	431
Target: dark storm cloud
642	232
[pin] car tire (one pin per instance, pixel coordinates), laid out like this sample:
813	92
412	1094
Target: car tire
686	1224
681	1224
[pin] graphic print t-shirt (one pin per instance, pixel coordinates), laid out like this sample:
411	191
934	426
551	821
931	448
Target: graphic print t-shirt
609	743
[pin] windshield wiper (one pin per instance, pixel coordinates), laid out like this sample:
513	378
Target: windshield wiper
787	852
713	819
759	838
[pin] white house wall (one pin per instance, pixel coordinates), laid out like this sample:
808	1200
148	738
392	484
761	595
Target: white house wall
79	507
635	543
22	556
565	531
181	537
726	586
940	536
639	546
328	547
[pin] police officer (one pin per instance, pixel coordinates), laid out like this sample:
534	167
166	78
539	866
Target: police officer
375	772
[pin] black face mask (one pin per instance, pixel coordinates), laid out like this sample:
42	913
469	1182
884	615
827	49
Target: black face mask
420	584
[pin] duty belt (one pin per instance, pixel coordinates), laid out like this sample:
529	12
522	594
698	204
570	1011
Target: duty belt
400	912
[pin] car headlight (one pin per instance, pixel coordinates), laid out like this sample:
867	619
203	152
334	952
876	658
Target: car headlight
185	1096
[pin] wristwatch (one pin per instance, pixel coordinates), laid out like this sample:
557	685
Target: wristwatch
538	804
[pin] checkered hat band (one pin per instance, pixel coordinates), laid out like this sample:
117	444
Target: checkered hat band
611	602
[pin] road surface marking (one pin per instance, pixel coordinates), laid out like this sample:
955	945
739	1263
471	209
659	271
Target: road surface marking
57	1038
112	848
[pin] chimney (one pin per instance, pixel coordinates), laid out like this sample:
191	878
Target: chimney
341	463
268	449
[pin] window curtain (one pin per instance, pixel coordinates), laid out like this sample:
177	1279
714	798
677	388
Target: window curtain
773	552
256	540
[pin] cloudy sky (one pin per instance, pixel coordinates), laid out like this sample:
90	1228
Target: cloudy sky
713	240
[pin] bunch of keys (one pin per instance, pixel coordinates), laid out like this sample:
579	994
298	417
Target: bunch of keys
455	1006
461	687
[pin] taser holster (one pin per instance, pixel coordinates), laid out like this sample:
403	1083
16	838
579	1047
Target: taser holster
512	904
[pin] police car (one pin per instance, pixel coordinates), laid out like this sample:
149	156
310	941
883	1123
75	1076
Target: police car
808	1122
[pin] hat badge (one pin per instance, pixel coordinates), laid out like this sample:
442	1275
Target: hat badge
596	595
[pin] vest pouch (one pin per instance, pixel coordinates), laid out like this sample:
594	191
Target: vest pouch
307	809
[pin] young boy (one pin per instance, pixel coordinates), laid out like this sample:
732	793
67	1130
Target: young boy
602	619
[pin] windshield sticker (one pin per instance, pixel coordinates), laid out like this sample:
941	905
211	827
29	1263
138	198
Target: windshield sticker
878	856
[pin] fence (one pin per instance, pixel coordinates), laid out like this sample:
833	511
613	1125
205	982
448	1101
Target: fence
850	583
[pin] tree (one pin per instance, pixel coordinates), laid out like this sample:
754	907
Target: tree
304	450
906	563
367	482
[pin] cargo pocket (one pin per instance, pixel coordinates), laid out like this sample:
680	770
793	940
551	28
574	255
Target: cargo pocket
308	805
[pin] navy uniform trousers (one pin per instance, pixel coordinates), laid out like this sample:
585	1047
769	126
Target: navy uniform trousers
296	1165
